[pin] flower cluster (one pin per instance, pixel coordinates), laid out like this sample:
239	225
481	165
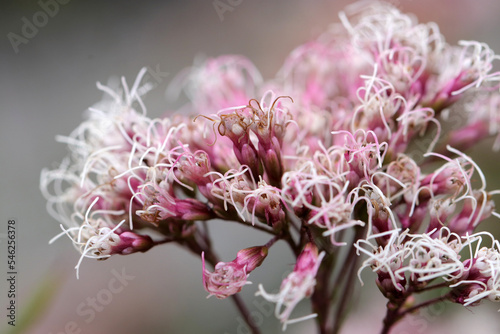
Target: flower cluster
342	154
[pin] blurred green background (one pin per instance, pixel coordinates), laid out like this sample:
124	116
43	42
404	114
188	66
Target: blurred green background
46	86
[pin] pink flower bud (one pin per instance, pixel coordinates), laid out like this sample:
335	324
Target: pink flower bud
131	242
272	166
308	260
251	257
161	203
229	278
265	202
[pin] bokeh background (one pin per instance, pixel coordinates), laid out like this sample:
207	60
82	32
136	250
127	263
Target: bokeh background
47	85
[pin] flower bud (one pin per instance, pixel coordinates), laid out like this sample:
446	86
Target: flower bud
228	278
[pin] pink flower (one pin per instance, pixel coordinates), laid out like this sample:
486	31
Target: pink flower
296	286
161	203
229	278
339	146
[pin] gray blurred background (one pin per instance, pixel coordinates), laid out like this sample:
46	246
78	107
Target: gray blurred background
50	81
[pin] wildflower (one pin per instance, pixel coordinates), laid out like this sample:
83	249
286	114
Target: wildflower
99	236
265	202
402	177
430	258
482	277
386	262
328	154
229	278
296	286
160	202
